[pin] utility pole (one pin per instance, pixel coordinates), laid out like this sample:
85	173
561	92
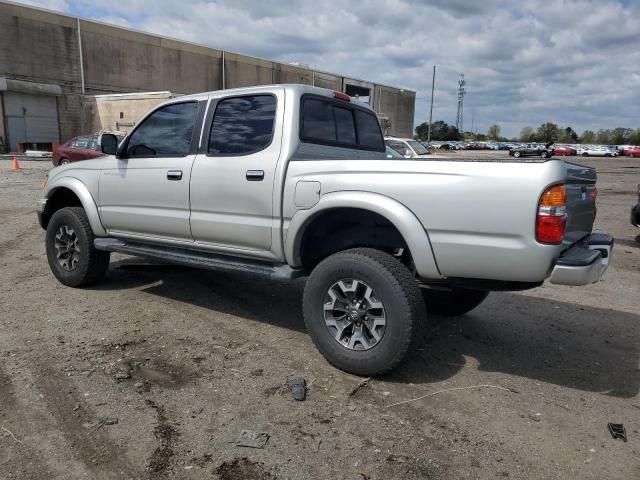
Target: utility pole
461	93
433	83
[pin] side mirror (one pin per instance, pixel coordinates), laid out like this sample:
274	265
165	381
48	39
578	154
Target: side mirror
408	153
109	144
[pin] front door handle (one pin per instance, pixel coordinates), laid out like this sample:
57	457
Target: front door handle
174	175
255	175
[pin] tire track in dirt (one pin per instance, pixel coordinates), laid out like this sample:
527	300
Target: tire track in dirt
23	236
29	466
90	446
160	460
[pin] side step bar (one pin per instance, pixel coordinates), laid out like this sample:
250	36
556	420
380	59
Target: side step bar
205	260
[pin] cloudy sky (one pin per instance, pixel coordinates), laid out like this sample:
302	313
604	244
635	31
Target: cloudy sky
572	62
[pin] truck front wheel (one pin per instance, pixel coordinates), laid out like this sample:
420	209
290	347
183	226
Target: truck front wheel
362	309
454	302
73	259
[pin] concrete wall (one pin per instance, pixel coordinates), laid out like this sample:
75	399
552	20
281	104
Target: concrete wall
398	106
118	112
3	135
118	60
41	46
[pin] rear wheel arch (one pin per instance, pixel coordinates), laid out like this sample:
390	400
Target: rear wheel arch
401	227
343	228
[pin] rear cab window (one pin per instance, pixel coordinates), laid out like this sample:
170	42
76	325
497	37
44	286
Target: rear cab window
337	123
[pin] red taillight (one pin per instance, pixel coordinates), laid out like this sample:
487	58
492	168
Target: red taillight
550	229
342	96
551	221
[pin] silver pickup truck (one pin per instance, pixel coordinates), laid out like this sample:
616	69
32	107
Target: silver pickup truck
293	181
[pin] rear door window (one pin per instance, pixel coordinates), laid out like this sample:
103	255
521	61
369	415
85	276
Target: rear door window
242	125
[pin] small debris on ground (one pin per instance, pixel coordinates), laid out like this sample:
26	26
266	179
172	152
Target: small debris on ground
257	372
617	431
536	417
122	375
361	384
102	421
298	388
252	439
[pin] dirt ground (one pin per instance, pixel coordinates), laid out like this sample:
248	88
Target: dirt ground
184	360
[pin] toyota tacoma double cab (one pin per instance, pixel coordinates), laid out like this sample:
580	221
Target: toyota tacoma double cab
289	181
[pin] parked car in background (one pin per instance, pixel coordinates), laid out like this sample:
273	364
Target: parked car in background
391	154
597	151
632	152
408	147
532	150
564	150
622	149
84	147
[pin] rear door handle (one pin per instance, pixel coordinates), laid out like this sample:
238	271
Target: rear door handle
174	175
255	175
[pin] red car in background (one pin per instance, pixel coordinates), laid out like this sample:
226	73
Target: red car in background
84	147
564	151
632	152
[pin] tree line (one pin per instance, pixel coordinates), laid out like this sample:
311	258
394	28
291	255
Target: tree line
545	133
550	132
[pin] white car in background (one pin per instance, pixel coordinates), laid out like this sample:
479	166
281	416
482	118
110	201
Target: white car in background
597	151
408	147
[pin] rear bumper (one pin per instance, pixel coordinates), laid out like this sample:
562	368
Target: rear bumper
585	262
635	215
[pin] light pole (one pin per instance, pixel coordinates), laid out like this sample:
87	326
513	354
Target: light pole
433	83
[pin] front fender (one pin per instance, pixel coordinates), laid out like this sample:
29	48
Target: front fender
82	192
400	216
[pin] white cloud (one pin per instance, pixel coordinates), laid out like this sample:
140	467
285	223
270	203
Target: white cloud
574	62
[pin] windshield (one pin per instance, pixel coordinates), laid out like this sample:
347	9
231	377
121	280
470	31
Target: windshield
418	147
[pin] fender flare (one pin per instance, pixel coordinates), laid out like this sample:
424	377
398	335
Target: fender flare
88	203
412	231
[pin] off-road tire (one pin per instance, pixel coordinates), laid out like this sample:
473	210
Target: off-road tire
395	287
92	263
452	303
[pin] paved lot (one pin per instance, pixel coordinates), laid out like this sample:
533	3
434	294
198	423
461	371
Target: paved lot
186	359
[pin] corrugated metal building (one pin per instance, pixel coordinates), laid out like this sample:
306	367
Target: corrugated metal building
50	63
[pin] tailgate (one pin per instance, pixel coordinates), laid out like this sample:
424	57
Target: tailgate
581	202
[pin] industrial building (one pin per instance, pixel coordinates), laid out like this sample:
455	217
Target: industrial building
52	66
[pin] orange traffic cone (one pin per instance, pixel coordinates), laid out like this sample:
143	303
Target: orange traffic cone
15	165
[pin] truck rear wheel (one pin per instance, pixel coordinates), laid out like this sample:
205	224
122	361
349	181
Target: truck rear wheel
454	302
362	309
73	259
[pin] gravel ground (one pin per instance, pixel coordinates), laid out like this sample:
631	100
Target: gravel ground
184	360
